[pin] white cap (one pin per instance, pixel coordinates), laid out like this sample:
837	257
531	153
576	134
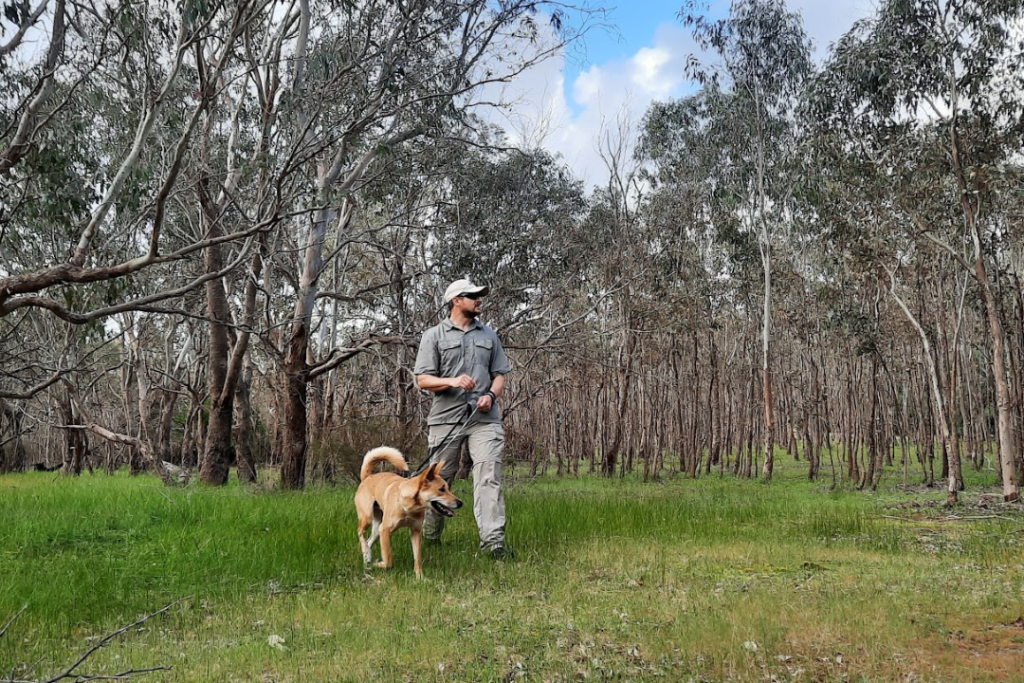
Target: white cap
460	287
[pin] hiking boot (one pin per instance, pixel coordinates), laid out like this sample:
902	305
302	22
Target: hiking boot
499	552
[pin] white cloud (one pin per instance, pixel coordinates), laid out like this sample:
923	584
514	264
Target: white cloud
650	73
540	112
825	21
620	91
588	86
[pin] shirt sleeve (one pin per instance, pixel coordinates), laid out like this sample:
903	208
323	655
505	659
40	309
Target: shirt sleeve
499	361
428	361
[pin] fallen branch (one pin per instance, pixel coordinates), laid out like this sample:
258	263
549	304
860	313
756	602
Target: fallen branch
12	620
69	673
143	446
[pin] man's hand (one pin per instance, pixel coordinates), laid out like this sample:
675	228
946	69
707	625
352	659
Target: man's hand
463	382
487	401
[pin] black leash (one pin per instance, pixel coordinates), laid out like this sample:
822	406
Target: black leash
461	426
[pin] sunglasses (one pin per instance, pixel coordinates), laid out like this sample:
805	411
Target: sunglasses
470	296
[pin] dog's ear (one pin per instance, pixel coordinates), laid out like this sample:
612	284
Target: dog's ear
434	470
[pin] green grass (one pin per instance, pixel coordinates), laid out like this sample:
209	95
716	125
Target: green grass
709	580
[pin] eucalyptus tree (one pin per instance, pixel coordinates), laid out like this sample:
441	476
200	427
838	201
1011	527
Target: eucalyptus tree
858	221
505	217
96	135
930	94
735	137
88	168
367	78
380	290
239	186
509	219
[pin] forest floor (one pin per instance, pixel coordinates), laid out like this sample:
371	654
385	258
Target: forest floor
718	579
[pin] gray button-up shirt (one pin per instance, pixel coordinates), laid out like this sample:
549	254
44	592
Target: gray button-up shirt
448	351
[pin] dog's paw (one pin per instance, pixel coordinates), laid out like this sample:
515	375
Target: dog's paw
381	565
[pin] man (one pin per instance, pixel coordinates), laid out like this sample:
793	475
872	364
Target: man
461	361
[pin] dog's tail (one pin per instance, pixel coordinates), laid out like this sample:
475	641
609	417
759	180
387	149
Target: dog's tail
382	454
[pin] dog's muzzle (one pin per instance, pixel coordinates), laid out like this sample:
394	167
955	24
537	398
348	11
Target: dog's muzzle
443	509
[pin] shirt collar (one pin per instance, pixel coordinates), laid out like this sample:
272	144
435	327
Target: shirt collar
449	325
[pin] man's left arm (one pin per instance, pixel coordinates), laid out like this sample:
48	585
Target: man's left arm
499	368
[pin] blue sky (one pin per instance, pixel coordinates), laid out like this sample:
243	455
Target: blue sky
604	85
629	25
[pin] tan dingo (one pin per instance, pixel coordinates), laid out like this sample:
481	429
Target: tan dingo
387	502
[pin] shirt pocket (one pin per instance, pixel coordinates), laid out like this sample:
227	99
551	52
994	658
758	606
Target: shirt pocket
451	357
482	354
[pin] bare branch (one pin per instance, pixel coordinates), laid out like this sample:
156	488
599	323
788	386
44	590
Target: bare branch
12	620
144	447
25	395
70	671
928	233
341	355
19	35
20	143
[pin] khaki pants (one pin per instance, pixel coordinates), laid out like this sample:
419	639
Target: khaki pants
486	445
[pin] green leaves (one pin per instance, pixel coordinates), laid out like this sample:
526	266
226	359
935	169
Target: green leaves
195	12
511	219
763	46
918	54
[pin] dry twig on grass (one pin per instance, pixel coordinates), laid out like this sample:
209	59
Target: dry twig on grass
69	672
12	620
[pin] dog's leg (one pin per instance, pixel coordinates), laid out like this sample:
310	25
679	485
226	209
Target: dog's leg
385	547
364	524
364	547
417	543
374	535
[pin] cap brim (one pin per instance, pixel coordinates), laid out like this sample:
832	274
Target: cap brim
483	290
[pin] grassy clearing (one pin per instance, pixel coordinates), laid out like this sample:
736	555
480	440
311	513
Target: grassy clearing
709	580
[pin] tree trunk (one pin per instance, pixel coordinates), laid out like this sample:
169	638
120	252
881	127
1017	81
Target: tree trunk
75	443
18	459
244	458
874	448
296	371
766	370
1004	400
216	462
625	375
163	437
217	454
